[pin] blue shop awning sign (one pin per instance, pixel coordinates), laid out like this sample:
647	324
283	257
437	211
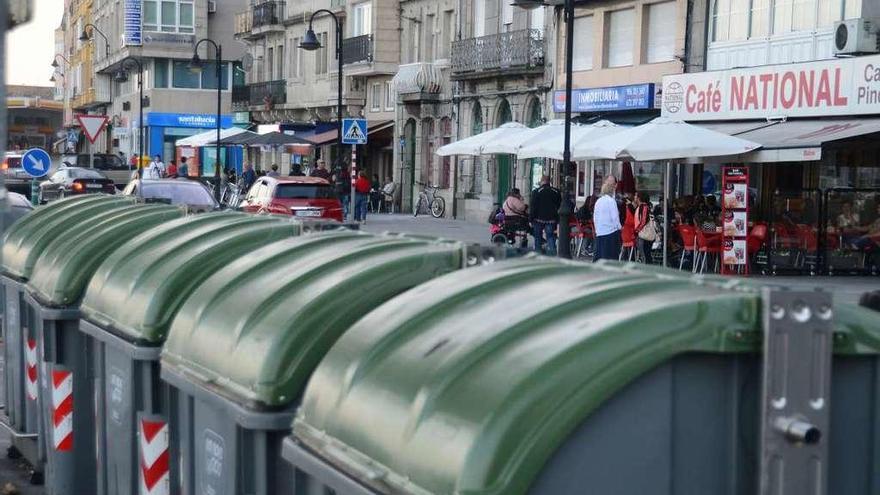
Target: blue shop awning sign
614	98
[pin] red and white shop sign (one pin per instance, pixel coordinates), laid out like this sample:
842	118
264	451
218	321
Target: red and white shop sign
816	89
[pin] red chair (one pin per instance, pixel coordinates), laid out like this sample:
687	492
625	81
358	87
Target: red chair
708	245
783	237
582	236
688	244
808	243
628	238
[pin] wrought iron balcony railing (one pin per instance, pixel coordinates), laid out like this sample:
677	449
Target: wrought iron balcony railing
268	13
522	49
357	49
269	93
241	94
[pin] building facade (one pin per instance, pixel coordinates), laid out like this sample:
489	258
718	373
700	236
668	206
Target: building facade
178	101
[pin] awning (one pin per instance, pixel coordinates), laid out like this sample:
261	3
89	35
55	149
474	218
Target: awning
329	137
794	140
206	137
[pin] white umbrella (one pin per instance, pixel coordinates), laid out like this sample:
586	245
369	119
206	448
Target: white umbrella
667	139
511	145
551	146
473	145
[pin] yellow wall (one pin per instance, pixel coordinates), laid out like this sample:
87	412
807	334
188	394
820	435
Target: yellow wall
82	53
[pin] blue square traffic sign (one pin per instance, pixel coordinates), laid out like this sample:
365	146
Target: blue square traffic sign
354	131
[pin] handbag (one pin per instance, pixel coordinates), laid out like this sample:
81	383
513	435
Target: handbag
649	231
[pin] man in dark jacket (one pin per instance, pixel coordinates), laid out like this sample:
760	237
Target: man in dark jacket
544	214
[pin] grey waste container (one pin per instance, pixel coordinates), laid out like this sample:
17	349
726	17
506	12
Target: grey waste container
546	377
66	395
126	313
243	345
23	243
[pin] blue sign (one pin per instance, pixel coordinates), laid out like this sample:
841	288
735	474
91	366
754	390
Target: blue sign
133	23
354	131
36	162
188	120
632	97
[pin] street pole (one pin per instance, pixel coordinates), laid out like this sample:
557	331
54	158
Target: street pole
352	202
4	15
196	64
564	242
310	42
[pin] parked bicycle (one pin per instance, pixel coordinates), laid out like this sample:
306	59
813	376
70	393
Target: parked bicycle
429	199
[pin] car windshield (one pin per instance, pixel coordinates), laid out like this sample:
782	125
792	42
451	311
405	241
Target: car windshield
178	194
304	191
13	161
84	173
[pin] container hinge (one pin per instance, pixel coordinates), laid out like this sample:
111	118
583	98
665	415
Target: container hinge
796	392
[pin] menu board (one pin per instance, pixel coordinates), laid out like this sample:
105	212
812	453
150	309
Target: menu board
735	220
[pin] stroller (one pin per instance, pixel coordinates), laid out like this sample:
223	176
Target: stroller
513	231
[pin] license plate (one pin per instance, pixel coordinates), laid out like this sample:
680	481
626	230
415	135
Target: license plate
307	213
94	186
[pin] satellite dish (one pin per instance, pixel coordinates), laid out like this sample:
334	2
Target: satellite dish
247	62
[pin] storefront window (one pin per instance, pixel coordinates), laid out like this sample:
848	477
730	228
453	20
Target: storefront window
831	176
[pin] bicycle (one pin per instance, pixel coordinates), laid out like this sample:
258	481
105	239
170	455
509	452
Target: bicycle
429	199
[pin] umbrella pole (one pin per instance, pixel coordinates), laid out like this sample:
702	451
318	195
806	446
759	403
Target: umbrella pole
666	213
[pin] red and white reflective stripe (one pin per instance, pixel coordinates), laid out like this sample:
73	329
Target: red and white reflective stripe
153	437
62	410
30	356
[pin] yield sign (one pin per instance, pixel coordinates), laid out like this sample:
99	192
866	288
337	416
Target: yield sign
92	125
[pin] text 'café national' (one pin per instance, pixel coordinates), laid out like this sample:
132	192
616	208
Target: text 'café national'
834	87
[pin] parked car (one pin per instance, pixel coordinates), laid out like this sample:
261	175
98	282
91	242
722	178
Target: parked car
19	206
69	181
17	179
308	197
113	166
191	193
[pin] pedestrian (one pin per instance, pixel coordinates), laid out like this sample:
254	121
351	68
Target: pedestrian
156	169
362	192
183	169
321	172
343	190
296	169
544	213
248	177
274	171
645	231
606	222
171	173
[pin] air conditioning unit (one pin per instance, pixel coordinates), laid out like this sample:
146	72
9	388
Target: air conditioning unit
212	6
855	36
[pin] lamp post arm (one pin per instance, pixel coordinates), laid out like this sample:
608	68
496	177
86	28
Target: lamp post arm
106	39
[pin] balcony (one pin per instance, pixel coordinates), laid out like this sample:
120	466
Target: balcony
90	98
513	53
268	94
357	50
262	18
419	81
241	97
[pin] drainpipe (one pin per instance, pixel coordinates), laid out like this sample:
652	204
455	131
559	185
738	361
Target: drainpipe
457	101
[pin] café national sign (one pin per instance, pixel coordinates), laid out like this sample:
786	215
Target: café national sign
848	86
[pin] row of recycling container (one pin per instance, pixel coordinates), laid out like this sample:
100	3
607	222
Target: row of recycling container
148	351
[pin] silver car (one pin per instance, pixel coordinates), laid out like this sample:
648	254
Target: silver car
190	193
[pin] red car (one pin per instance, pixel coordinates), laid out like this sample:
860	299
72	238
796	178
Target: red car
306	197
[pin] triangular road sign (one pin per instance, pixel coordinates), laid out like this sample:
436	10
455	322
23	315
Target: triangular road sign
355	134
92	125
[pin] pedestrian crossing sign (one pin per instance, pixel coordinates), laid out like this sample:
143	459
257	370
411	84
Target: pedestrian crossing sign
354	131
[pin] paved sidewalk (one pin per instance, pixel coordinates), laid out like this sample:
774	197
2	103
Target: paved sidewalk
14	474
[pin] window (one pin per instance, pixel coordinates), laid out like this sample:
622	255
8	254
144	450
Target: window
294	58
506	12
321	55
183	77
376	97
362	19
759	26
662	25
536	19
270	64
209	75
446	33
479	18
582	58
389	96
621	30
160	71
446	166
429	38
730	20
279	54
169	16
804	15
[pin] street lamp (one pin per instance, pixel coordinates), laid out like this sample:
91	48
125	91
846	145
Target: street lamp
311	43
84	36
196	64
55	63
121	76
564	244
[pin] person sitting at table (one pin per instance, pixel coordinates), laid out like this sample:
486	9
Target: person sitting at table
871	238
847	219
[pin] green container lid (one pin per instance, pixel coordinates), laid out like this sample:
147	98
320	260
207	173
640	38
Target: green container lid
26	239
138	289
255	330
469	383
64	268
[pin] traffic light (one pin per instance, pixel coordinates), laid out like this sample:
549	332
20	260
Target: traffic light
19	12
